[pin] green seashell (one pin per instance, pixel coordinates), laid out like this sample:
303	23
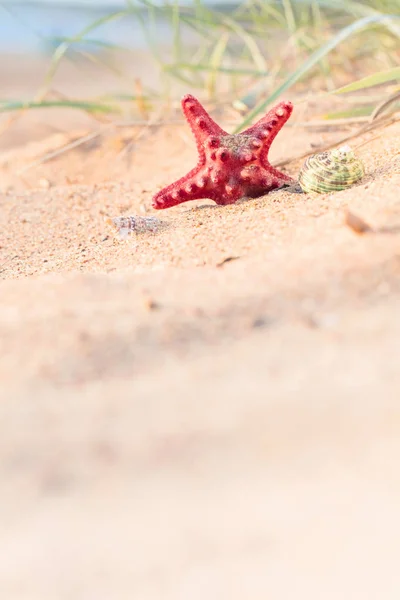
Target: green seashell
331	171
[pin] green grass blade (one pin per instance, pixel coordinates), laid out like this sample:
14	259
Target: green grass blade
176	27
248	40
289	16
370	81
313	60
174	70
360	111
359	9
75	104
227	70
216	59
89	41
96	60
62	49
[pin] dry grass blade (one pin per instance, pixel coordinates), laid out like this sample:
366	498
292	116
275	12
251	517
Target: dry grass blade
369	126
154	121
9	121
7	262
384	105
65	148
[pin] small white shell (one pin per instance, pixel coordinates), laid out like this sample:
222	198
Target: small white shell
125	225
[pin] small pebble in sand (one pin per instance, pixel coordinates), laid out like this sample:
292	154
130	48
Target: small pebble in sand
44	183
357	224
125	225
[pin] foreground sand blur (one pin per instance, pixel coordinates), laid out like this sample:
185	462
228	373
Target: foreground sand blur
179	425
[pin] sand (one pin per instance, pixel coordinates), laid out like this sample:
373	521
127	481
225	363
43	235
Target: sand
209	410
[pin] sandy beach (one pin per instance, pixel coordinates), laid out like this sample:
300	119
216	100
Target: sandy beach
208	410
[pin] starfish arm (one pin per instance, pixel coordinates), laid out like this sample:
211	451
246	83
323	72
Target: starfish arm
279	179
204	128
269	126
198	184
192	186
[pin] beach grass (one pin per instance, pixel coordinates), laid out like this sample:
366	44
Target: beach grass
247	56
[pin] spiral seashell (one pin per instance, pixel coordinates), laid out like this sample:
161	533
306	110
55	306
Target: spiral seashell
331	171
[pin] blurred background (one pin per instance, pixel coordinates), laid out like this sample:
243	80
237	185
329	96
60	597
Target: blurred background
128	59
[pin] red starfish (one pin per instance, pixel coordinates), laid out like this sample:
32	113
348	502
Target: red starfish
230	166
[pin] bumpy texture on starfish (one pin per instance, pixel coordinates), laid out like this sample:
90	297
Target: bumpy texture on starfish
230	166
